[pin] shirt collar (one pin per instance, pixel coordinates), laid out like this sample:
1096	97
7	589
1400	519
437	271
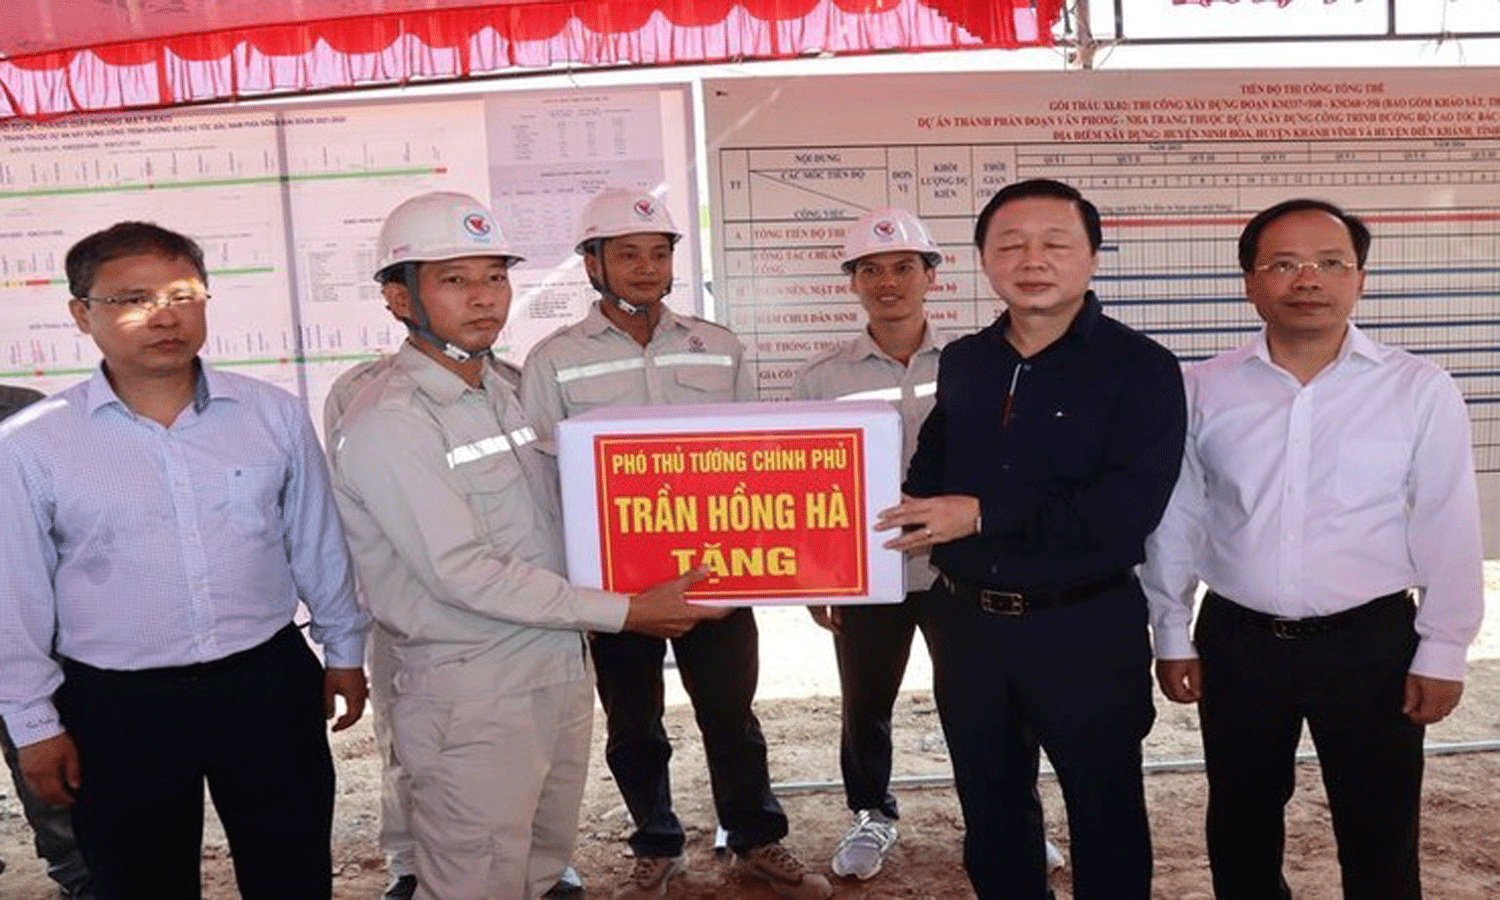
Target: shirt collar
1087	320
1256	348
1356	344
864	346
430	377
1083	326
595	322
208	385
212	385
437	381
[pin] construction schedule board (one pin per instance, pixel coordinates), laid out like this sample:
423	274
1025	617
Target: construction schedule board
1177	163
775	502
287	201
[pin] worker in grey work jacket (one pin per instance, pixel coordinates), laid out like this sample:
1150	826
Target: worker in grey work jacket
891	260
454	522
630	349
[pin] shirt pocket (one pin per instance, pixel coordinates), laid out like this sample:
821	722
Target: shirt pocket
491	485
585	394
252	498
1370	471
705	384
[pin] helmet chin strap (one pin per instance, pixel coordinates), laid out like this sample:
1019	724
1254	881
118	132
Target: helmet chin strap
421	326
622	303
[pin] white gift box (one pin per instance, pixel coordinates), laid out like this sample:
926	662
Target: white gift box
777	502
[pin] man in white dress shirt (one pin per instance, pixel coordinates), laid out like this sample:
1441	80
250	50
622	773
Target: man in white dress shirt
1328	482
167	518
51	823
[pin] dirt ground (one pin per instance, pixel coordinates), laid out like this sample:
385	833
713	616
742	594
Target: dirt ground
800	715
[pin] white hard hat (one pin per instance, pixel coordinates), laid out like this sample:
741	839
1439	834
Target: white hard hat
438	226
888	230
615	211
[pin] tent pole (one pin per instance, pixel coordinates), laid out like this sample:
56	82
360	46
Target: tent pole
1086	46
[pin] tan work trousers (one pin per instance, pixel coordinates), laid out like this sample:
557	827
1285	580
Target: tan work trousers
496	779
395	793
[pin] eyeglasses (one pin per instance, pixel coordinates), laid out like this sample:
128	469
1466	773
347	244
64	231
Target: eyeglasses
151	300
1329	265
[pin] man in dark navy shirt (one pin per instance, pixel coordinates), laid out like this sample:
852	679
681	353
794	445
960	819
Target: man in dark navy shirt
1047	460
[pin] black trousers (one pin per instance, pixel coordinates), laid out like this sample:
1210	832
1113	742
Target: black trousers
51	827
1073	680
719	663
872	649
1348	686
251	726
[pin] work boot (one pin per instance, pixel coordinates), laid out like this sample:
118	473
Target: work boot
648	877
787	876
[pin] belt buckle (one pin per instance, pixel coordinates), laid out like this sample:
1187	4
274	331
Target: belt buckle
1286	629
1002	603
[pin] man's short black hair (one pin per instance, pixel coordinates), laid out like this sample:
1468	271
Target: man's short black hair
397	273
1359	233
127	239
1041	187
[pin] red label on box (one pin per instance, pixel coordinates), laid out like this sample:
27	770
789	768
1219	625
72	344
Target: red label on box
765	513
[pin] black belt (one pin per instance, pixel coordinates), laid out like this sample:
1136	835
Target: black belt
1015	603
1284	627
195	670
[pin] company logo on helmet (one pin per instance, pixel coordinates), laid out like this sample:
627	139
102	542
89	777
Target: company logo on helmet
884	228
645	208
478	225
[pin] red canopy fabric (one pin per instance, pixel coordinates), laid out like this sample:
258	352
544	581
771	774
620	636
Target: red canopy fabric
77	55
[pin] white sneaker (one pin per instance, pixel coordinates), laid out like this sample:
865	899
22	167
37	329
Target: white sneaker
1055	858
862	851
568	884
